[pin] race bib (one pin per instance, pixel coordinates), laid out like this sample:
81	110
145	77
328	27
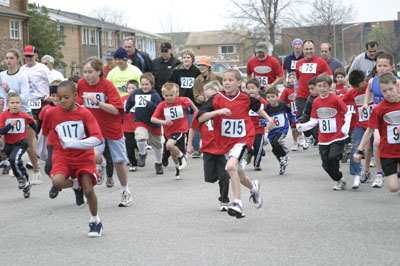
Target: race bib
293	65
142	99
187	83
263	81
279	121
309	68
393	136
351	108
210	124
71	129
173	113
364	115
35	104
233	128
327	125
19	126
132	109
98	95
252	113
293	107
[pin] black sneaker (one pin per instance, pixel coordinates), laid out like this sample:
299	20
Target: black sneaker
27	190
165	161
182	162
110	181
79	197
22	182
142	160
177	176
53	193
159	168
236	210
95	229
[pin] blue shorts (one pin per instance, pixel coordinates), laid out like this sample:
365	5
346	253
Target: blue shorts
117	149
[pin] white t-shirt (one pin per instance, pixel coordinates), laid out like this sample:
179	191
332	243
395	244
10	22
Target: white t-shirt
17	82
39	77
57	75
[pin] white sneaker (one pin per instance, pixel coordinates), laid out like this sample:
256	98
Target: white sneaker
356	183
36	179
295	147
307	142
372	162
126	199
378	183
340	185
255	197
301	140
101	170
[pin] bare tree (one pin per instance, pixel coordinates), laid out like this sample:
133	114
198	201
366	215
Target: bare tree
108	14
265	16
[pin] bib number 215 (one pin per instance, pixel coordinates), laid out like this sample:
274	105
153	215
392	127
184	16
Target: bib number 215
233	128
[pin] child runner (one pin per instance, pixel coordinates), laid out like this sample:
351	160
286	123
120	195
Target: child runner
355	98
101	97
333	117
253	89
282	115
312	134
13	125
385	117
339	75
213	160
170	113
77	132
145	101
129	127
288	95
234	135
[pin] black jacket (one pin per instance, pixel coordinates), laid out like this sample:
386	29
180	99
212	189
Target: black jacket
140	57
162	70
187	76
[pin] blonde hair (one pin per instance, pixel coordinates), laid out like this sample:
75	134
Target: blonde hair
170	86
213	85
149	76
189	52
235	72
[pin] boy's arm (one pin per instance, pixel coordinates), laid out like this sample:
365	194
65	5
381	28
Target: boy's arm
6	128
155	120
368	94
366	137
190	148
307	126
192	106
130	103
88	143
34	127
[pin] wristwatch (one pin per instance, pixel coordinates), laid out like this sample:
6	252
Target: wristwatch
361	152
97	102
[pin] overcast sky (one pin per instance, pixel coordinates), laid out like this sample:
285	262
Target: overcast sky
195	15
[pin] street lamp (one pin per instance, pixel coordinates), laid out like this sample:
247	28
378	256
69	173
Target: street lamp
343	29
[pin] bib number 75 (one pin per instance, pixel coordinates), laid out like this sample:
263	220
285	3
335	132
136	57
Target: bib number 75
233	128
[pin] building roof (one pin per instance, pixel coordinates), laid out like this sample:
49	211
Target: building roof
11	12
216	37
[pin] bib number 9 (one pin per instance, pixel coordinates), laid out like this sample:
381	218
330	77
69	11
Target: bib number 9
233	128
393	135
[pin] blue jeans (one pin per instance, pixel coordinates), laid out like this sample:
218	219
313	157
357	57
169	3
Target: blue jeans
356	168
196	138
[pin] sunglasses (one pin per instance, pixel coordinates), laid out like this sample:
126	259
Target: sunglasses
27	55
164	51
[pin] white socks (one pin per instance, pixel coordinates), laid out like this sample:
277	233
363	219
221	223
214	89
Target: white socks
75	183
95	219
158	155
142	147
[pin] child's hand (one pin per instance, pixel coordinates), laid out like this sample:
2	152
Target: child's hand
270	126
398	128
90	96
364	107
4	85
168	123
357	157
224	111
189	149
299	127
13	122
200	98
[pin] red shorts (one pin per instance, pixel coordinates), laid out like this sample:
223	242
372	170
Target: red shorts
68	170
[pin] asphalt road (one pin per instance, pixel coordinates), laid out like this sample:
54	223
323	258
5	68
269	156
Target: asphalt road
303	221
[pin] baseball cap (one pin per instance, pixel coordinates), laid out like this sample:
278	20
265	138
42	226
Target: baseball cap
166	46
109	54
261	47
29	50
204	60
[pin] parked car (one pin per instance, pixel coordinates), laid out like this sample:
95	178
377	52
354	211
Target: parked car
243	71
220	68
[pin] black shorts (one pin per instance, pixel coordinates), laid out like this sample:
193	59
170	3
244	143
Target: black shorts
179	139
36	112
214	167
389	165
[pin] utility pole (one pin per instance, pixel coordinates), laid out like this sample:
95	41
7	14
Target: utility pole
266	10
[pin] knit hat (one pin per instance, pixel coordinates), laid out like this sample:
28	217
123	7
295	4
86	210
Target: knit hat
121	53
297	40
204	60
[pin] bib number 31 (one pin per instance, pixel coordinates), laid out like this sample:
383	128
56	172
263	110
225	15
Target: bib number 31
233	128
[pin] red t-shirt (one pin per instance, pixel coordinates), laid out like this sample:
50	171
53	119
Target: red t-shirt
18	132
78	124
340	90
289	96
237	127
306	70
207	135
386	117
355	99
105	91
330	114
106	70
265	71
175	113
51	138
128	124
256	118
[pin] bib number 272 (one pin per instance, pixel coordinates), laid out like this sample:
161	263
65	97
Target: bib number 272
233	128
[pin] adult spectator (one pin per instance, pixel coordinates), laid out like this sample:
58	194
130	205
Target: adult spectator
326	54
48	60
137	58
290	61
308	67
109	57
163	65
265	68
124	72
366	61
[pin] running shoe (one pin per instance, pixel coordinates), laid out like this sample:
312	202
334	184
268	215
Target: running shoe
365	177
36	179
159	168
255	197
236	210
53	193
126	199
110	181
340	185
295	147
80	202
378	183
182	162
142	160
223	206
196	154
356	183
95	229
177	176
307	142
284	161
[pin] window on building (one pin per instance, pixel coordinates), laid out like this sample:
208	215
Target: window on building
85	36
110	39
60	32
227	49
92	37
14	30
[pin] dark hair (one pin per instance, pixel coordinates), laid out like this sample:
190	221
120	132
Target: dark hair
387	78
255	82
324	78
356	77
272	90
68	84
74	78
339	71
149	76
371	44
133	82
312	81
386	56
